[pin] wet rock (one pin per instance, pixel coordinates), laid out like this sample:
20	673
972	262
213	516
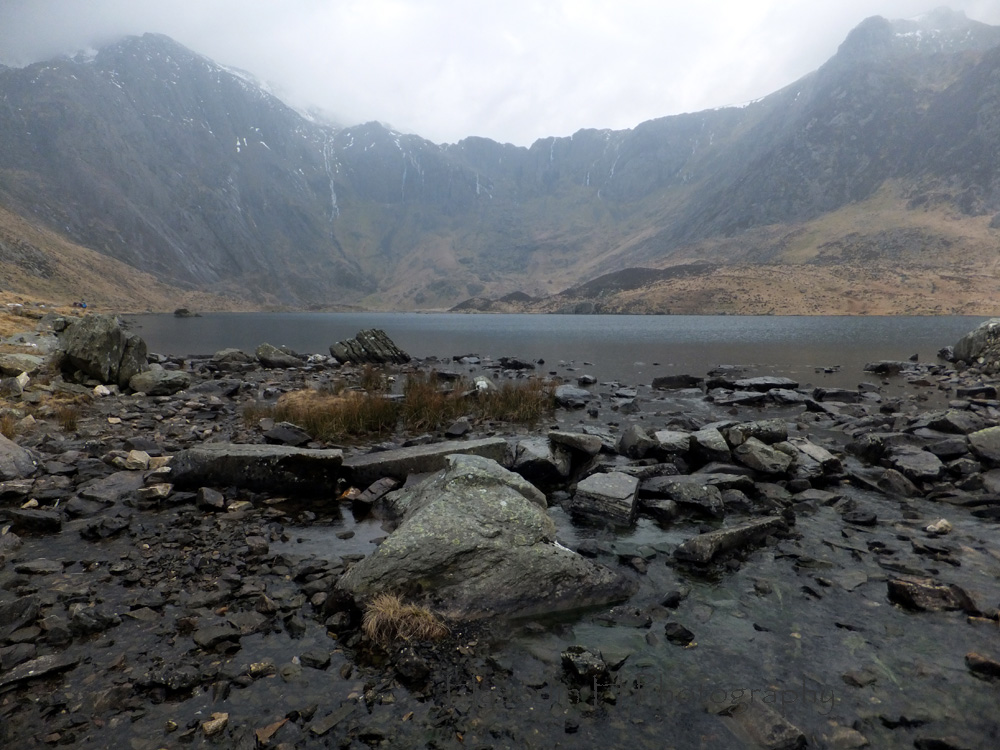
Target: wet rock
634	442
540	462
371	346
272	357
981	345
927	595
257	466
676	382
609	496
211	500
842	395
15	461
765	383
986	444
571	397
685	492
159	382
583	666
100	347
286	433
41	566
419	459
467	537
43	666
705	548
767	431
672	442
677	633
34	521
762	457
982	666
228	359
710	444
211	637
588	445
916	465
376	491
17	613
760	724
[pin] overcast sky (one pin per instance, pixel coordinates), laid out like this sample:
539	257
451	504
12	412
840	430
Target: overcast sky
511	70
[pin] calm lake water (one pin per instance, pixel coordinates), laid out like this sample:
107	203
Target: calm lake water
627	348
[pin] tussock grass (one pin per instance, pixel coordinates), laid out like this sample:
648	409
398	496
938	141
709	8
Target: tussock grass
68	416
329	415
516	402
8	426
387	619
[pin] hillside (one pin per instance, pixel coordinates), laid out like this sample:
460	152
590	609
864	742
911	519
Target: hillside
871	185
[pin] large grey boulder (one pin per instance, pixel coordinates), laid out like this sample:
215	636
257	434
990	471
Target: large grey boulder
12	365
986	445
476	541
159	382
761	457
541	462
372	346
278	467
100	347
981	346
275	358
15	461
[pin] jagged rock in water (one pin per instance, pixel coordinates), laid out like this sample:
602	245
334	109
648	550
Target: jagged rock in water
99	347
981	345
371	346
610	496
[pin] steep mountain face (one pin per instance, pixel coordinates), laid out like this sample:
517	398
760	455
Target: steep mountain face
179	167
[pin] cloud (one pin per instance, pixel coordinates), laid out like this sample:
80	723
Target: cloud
513	71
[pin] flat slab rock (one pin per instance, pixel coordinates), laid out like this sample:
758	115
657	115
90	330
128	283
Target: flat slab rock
704	548
418	459
256	466
609	496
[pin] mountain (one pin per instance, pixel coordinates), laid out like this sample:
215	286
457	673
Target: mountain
880	169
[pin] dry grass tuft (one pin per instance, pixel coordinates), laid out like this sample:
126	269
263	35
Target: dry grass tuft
8	426
328	417
524	403
426	406
387	619
68	417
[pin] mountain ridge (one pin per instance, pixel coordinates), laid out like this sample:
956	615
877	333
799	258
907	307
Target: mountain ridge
162	159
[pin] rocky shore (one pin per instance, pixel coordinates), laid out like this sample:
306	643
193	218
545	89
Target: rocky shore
707	560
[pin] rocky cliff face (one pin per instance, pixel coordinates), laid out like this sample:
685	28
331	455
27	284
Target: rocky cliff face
180	167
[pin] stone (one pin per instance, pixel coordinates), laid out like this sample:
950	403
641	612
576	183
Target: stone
635	442
762	457
34	521
12	365
768	431
705	548
43	666
272	357
571	397
916	465
471	544
418	459
588	445
981	345
982	666
584	666
371	346
986	444
286	433
761	725
843	395
676	382
159	382
684	492
672	442
15	461
226	358
710	444
541	462
926	594
101	348
279	467
765	383
610	496
828	462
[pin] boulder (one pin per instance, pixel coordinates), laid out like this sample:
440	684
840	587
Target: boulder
15	461
691	495
100	347
476	541
981	346
275	358
916	465
710	444
12	365
986	444
676	382
277	467
371	346
765	383
226	359
588	445
159	382
571	397
541	462
672	441
762	457
610	496
635	442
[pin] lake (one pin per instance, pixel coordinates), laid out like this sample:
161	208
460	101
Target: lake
628	348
